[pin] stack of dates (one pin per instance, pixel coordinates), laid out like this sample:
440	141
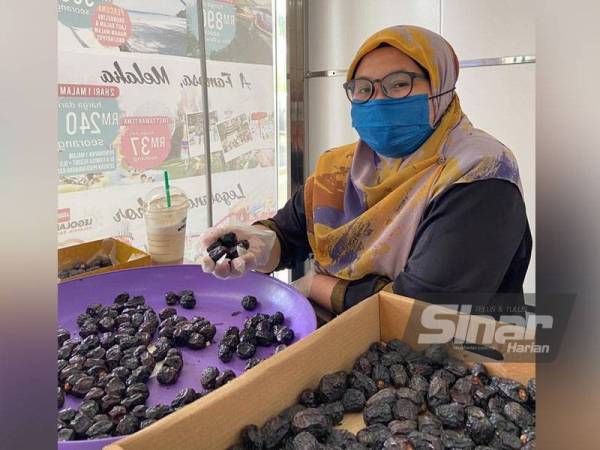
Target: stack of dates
109	366
81	267
409	401
227	246
260	330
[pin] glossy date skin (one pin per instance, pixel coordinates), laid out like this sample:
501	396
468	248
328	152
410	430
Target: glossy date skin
408	400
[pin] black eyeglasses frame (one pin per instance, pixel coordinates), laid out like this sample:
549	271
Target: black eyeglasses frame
412	76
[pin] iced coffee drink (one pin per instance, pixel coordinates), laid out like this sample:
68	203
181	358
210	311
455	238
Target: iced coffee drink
165	225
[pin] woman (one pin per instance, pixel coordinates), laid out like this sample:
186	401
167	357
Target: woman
423	203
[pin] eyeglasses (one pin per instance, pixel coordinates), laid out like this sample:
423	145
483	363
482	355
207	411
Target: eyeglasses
394	85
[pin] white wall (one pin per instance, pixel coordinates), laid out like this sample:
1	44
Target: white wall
498	99
338	27
489	28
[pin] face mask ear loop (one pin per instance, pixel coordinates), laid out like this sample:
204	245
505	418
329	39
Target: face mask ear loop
439	95
443	93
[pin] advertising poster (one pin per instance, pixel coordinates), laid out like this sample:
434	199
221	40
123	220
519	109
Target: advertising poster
130	107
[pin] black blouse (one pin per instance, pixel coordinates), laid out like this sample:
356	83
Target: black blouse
472	245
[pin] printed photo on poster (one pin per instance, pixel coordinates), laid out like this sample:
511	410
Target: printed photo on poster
239	31
195	132
236	136
134	26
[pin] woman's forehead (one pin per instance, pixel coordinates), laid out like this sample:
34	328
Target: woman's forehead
382	60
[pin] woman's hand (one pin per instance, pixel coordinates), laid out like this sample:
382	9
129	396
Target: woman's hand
263	252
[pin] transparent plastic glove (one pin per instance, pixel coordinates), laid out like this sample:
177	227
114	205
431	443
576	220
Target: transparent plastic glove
304	284
261	243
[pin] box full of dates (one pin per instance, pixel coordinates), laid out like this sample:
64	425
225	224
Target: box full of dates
388	373
103	255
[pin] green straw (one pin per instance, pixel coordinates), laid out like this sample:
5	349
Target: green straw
167	189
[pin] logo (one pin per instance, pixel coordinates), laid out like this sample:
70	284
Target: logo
507	327
64	215
67	225
510	330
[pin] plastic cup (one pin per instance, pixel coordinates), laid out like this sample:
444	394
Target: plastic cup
165	226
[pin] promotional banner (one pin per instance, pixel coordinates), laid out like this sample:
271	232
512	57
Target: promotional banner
130	107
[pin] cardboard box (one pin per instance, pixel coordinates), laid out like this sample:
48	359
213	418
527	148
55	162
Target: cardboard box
215	421
123	256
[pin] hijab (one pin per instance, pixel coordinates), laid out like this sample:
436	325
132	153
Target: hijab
362	211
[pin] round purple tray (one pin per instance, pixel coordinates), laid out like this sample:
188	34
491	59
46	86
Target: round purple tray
217	300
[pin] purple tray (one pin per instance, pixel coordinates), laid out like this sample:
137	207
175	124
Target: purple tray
217	300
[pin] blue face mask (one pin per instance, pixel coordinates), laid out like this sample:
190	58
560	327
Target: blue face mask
393	127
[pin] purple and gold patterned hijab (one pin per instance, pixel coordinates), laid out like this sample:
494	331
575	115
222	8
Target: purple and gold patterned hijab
362	211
